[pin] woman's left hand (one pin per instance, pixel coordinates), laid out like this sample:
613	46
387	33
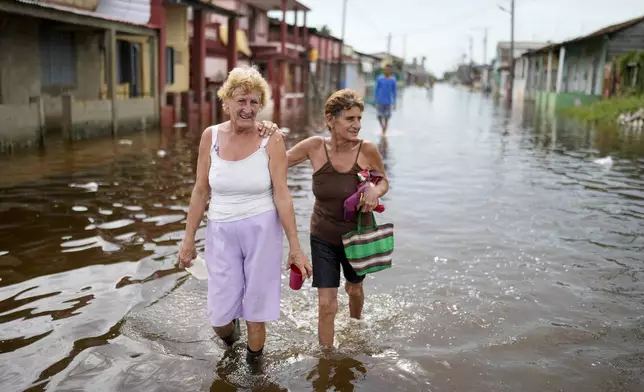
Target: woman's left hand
301	261
267	128
369	200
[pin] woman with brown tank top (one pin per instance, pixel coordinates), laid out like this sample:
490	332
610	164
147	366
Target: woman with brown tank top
336	160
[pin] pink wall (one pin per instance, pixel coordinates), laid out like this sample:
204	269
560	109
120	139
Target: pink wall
320	44
261	20
314	42
335	50
261	28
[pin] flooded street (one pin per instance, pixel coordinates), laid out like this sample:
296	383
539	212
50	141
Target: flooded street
519	265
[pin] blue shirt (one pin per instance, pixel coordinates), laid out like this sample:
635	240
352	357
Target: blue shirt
385	91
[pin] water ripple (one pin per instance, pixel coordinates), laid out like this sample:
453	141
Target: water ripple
518	264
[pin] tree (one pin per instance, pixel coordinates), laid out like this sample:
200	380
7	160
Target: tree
325	30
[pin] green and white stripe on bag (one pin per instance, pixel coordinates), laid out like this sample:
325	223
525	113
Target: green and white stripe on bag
369	249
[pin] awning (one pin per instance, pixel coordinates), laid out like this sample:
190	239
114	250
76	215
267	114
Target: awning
137	11
205	5
242	40
60	13
276	5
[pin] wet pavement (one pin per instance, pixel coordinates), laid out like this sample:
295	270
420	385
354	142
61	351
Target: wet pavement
519	264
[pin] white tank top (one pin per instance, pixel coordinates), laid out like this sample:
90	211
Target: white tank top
239	189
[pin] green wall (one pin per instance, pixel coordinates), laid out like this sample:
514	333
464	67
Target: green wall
552	102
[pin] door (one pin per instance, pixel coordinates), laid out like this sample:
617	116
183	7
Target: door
129	66
607	85
135	69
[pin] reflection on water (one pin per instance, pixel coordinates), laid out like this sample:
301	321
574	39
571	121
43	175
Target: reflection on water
518	264
336	374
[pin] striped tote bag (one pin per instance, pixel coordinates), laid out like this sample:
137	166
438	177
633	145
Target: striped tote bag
369	249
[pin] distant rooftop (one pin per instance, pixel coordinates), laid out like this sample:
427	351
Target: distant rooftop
522	45
615	28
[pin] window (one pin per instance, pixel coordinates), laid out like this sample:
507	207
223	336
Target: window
57	58
170	61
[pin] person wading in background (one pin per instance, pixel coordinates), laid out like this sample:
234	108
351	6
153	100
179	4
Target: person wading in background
385	96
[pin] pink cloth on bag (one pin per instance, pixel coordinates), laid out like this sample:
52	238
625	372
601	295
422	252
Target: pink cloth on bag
367	178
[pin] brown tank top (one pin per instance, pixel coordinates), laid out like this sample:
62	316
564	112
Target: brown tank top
331	188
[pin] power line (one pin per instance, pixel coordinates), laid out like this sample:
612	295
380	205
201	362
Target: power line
441	26
449	23
364	14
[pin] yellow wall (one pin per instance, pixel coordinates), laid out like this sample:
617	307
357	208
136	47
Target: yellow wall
177	38
145	73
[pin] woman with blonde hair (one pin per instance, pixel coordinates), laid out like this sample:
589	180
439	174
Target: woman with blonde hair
241	175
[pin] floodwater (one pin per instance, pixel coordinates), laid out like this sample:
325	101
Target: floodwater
519	265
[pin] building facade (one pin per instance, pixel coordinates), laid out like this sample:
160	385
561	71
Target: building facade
72	68
581	70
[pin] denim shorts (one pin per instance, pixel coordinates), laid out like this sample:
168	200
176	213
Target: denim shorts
327	259
384	110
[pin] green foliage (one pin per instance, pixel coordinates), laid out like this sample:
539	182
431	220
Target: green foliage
605	111
631	65
325	30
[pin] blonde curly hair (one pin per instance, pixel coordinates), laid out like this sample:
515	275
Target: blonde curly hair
247	78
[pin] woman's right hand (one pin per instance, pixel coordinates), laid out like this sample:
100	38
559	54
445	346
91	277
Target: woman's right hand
267	128
187	253
301	261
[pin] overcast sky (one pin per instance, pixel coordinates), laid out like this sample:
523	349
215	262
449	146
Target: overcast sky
440	30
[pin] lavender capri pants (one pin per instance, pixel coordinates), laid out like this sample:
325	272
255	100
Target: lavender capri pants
244	259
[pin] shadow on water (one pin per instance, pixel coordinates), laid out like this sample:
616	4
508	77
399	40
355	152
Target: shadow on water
518	264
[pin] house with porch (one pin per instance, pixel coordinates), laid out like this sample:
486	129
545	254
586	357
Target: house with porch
581	70
88	67
186	29
278	49
80	68
73	68
501	71
287	56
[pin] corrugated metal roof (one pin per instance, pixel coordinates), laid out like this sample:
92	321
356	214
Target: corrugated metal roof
205	5
362	54
80	12
612	29
135	11
608	30
272	5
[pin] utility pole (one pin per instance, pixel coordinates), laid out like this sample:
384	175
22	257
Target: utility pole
471	50
485	45
511	62
340	62
511	81
485	30
389	44
404	47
